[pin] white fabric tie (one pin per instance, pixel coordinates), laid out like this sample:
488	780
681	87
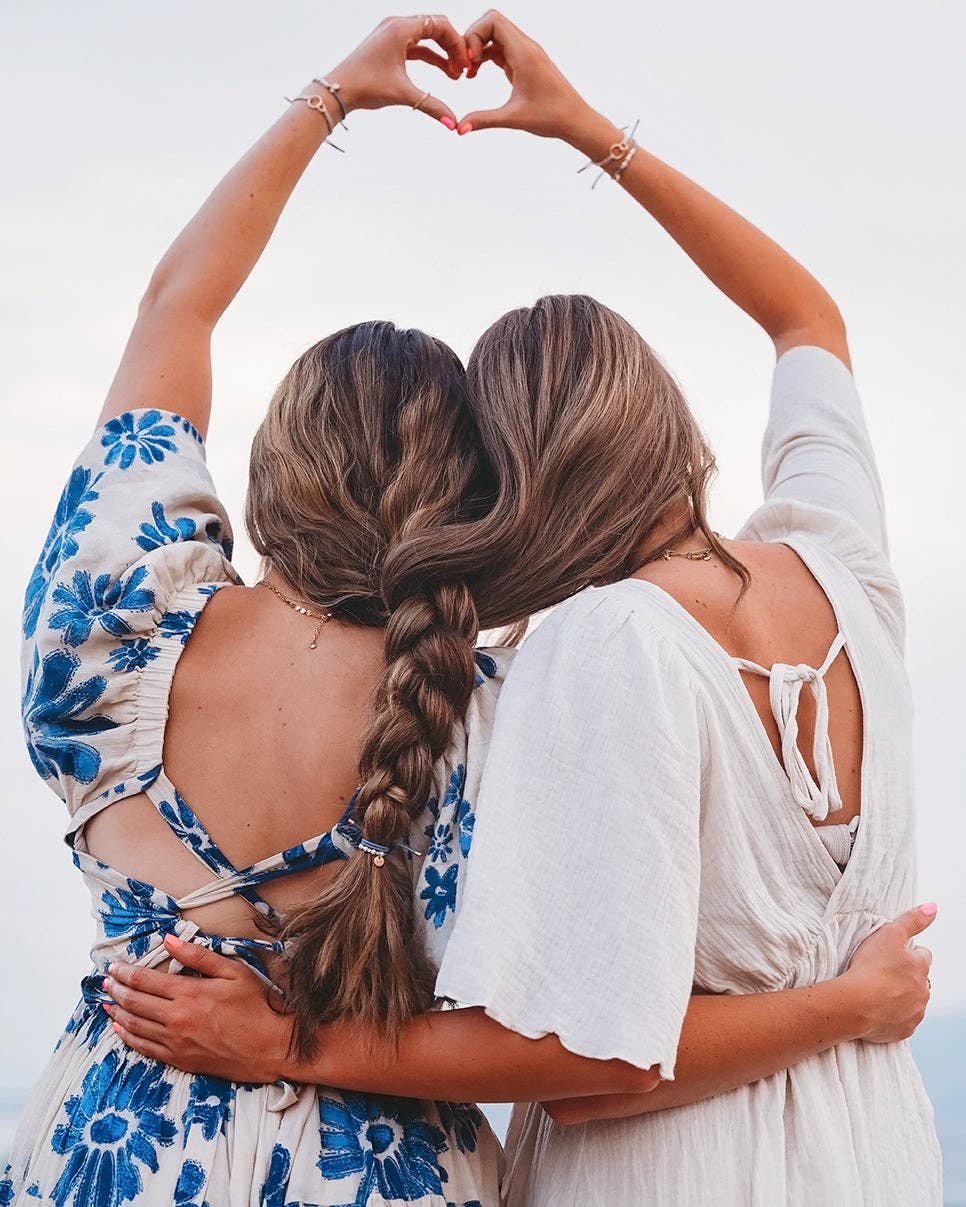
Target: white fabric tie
818	795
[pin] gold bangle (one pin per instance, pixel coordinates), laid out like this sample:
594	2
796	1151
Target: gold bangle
316	102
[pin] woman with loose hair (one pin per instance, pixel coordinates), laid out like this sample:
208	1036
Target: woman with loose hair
697	800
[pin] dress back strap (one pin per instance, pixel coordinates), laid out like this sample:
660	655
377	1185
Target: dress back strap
818	795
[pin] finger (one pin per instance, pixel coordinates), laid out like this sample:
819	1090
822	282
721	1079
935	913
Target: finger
425	55
144	1028
914	921
146	980
432	106
201	959
153	1051
145	1005
926	954
440	30
504	118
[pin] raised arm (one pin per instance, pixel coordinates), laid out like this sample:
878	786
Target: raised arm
167	362
745	264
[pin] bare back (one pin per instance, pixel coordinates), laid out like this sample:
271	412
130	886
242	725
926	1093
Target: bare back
784	617
262	740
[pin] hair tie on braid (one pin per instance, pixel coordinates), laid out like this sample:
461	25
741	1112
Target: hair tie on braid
379	852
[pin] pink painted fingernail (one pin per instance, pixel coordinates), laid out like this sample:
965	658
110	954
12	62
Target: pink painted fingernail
117	1028
464	127
930	909
112	968
106	1006
448	123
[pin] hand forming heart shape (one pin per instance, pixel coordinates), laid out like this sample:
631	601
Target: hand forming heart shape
542	101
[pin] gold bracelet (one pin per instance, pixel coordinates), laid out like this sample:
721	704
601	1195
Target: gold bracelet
317	103
620	152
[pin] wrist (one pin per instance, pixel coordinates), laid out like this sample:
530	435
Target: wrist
848	1006
591	133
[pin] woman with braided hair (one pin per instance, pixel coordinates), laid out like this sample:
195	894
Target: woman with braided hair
244	766
669	932
193	725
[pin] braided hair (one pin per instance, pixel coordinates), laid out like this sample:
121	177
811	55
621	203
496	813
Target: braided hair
362	472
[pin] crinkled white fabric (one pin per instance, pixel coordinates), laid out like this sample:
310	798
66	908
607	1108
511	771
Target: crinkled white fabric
636	834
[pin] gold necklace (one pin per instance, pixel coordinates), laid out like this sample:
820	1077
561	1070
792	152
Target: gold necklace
322	617
692	555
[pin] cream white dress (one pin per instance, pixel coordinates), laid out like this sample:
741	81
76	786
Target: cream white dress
636	835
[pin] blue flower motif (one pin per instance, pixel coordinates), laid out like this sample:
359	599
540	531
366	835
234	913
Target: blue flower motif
182	821
116	1124
440	841
164	531
54	721
439	894
462	1121
99	601
395	1151
487	666
191	1181
70	520
133	656
147	436
136	914
188	427
6	1187
178	625
275	1185
466	819
209	1105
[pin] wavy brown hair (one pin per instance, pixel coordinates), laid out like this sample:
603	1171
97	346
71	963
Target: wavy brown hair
594	447
364	469
393	489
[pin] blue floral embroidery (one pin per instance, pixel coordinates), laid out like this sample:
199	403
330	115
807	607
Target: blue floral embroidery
188	427
466	819
164	531
209	1105
147	436
191	1181
486	665
116	1124
54	723
462	1121
132	656
439	894
136	914
395	1151
275	1185
440	841
183	822
99	601
178	625
70	520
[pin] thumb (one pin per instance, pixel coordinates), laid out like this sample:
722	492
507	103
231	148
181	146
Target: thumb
504	118
432	106
199	959
915	921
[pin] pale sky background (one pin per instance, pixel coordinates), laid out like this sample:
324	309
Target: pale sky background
837	127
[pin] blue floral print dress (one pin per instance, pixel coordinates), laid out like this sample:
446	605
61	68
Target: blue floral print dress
138	545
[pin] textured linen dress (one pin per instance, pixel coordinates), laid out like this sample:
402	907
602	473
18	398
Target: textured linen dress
636	835
138	546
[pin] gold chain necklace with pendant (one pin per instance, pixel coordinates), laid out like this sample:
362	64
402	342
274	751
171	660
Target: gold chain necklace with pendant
322	617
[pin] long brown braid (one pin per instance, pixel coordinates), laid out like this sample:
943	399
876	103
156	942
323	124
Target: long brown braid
362	473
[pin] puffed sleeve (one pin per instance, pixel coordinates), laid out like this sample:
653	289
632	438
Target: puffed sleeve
580	904
138	544
820	477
